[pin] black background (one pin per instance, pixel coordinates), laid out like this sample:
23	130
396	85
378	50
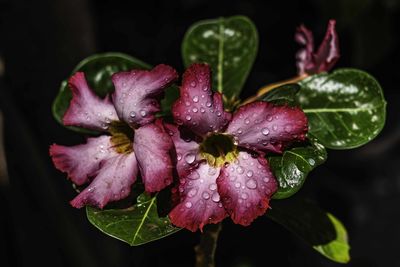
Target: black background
40	43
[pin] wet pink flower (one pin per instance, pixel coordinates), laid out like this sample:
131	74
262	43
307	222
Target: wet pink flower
221	157
310	62
133	139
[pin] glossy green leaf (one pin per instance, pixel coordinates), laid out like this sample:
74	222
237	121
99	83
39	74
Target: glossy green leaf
291	168
338	249
285	94
319	229
98	70
346	108
229	45
136	225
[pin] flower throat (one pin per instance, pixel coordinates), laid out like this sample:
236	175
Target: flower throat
218	149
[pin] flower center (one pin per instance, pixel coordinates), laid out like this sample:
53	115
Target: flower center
121	137
218	149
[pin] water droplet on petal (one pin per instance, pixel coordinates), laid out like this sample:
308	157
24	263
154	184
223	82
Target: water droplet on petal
188	117
143	113
194	175
195	99
245	196
212	187
265	131
275	127
240	170
206	195
190	158
178	156
249	173
251	184
192	192
269	118
245	156
215	197
288	128
132	114
247	121
208	104
202	110
237	184
266	179
195	110
193	84
188	205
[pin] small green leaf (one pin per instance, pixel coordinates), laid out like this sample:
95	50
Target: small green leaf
229	45
136	225
285	94
291	168
319	229
345	109
98	70
338	249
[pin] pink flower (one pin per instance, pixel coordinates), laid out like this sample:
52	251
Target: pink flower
133	139
220	157
309	62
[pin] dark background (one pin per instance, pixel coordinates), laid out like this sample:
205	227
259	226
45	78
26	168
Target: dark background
40	43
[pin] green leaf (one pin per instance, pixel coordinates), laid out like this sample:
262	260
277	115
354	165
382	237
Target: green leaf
319	229
171	95
136	225
291	168
285	94
98	70
338	249
346	108
229	45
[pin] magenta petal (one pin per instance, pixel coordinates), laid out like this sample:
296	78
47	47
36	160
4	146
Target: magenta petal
82	161
263	126
186	148
136	92
113	182
198	108
325	58
152	146
200	202
86	109
246	188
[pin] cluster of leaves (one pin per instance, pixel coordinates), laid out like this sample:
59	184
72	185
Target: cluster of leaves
345	109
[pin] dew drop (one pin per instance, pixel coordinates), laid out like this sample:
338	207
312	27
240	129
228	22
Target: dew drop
195	99
288	128
206	195
249	173
275	127
245	156
208	104
193	84
195	110
245	196
237	185
265	131
240	170
311	161
192	192
178	156
212	187
219	114
202	110
247	121
132	114
266	179
143	113
189	158
215	197
188	117
251	184
188	205
239	131
194	175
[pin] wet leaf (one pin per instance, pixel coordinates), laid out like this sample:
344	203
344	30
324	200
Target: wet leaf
136	225
346	108
98	70
229	45
319	229
291	168
285	94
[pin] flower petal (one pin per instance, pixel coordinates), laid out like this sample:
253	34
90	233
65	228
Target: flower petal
264	126
186	148
246	188
200	202
327	55
136	92
152	146
198	108
82	161
86	109
113	182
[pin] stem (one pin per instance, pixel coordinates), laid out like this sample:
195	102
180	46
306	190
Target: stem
205	250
